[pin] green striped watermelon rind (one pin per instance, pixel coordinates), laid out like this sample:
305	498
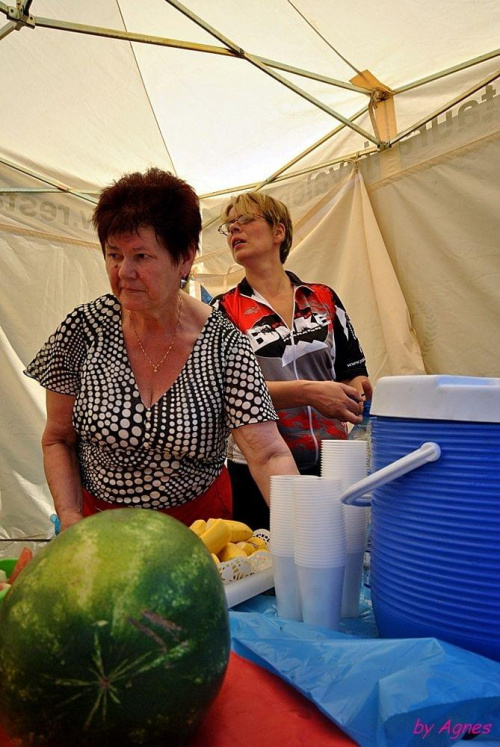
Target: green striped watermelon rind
117	632
7	565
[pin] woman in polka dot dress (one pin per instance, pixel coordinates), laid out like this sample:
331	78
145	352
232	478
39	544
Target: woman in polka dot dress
145	384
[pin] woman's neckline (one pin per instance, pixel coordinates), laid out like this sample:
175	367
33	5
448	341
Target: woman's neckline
177	378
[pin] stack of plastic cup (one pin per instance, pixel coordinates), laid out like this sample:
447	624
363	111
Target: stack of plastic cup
346	461
319	548
281	545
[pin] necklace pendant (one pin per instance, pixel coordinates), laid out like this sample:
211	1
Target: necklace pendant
156	366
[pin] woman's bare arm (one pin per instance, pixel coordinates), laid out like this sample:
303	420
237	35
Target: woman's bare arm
266	453
60	459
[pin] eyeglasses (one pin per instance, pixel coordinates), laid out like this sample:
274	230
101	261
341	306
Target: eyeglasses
241	220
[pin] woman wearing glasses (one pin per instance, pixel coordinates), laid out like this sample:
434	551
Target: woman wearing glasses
302	337
144	384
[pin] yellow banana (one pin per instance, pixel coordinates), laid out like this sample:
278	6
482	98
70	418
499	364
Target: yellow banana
230	551
216	536
239	531
198	526
247	547
258	543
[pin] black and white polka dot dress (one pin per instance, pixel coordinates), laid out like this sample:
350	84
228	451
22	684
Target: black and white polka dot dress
167	454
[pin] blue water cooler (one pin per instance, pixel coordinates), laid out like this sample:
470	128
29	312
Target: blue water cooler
435	536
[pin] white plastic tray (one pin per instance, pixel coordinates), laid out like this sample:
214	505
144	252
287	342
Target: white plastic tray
246	588
244	578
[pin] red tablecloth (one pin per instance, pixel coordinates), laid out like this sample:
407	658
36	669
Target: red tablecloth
255	707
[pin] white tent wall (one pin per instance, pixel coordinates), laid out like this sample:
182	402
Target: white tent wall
48	265
436	202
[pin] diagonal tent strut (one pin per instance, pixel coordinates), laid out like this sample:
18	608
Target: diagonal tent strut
19	20
7	29
278	174
231	50
456	100
448	71
239	52
19	17
54	186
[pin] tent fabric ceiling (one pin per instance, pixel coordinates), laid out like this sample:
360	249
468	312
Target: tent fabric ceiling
82	108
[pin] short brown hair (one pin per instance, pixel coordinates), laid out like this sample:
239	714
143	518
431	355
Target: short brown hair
273	210
155	199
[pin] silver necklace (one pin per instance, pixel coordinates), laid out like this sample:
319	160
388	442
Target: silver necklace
156	366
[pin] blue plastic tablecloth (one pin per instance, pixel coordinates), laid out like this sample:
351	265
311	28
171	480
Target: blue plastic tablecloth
381	692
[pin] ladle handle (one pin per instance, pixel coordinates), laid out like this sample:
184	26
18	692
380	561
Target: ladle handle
356	495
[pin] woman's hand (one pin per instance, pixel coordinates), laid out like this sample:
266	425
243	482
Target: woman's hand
333	399
68	518
362	384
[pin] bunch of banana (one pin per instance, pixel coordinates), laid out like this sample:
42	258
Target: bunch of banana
227	539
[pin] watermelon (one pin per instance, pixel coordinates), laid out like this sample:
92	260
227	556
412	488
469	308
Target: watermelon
115	634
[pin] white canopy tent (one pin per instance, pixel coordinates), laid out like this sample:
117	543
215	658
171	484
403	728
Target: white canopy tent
378	125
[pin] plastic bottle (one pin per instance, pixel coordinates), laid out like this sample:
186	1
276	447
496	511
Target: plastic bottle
362	431
54	518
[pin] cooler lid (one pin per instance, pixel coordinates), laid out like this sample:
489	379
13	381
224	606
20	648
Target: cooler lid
464	398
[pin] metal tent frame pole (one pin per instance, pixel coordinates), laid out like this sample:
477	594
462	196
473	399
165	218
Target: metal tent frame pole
20	17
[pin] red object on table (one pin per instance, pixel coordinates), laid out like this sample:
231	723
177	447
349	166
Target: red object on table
22	561
255	707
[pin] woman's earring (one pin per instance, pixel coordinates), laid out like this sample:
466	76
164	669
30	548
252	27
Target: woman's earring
184	282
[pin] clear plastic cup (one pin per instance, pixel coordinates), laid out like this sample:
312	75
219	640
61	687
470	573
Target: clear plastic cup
281	514
321	595
356	522
316	491
347	461
329	449
353	577
286	587
319	525
344	460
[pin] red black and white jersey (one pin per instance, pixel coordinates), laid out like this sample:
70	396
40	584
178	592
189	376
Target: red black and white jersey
321	346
